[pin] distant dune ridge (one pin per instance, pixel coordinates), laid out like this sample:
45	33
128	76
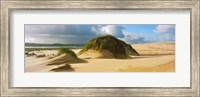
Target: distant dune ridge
107	46
160	48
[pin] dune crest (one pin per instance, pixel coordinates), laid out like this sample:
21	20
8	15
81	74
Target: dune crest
108	44
65	58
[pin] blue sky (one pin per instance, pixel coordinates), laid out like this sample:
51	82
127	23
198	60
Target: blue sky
80	34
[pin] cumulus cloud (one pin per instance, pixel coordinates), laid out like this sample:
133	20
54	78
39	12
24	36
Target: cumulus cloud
60	29
42	33
166	32
75	34
166	37
80	33
132	38
115	30
164	29
162	33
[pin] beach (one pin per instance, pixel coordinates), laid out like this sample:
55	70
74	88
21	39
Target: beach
154	57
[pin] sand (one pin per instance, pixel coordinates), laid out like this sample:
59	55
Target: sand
113	65
154	57
161	48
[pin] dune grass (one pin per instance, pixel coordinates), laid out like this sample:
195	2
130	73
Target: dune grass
129	50
67	51
108	42
61	51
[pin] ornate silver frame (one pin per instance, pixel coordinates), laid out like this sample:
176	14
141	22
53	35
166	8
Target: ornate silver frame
192	5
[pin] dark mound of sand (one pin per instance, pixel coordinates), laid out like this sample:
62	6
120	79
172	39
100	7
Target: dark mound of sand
118	48
64	68
129	50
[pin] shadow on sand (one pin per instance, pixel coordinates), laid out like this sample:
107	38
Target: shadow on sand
146	56
66	60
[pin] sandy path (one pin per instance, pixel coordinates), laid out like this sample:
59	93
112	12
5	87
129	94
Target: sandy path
112	65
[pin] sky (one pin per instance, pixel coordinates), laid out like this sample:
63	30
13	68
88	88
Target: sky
81	34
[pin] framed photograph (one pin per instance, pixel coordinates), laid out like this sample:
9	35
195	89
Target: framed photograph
100	48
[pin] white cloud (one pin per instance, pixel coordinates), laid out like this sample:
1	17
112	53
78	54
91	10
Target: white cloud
164	28
132	38
163	33
115	30
71	33
109	29
166	33
166	37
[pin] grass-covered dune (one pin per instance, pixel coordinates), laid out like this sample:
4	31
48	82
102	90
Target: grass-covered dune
67	51
66	56
118	48
129	50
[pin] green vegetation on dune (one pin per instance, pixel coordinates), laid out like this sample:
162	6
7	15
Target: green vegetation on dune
67	51
129	50
68	58
28	51
107	42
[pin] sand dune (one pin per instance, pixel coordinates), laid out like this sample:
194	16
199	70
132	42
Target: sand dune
154	57
45	64
34	64
97	54
161	48
143	63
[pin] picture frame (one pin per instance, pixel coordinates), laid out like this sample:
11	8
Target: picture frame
7	6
